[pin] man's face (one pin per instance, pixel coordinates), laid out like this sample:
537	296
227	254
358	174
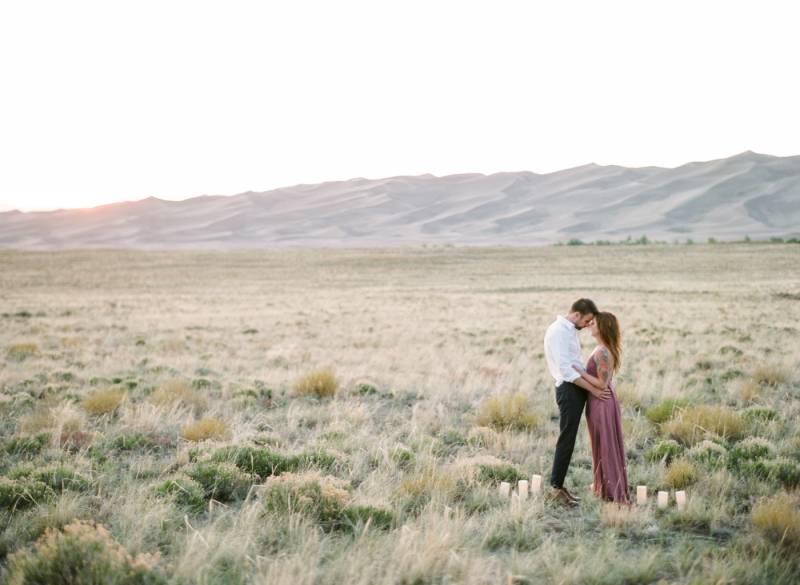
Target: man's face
584	321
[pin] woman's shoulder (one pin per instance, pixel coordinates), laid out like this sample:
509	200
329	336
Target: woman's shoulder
601	353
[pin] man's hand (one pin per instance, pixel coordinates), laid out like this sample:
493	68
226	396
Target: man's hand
578	369
603	394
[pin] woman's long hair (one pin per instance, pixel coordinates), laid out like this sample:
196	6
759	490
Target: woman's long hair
608	327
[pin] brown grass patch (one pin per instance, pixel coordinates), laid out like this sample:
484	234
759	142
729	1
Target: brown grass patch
778	519
103	401
508	411
696	423
177	390
207	428
680	474
320	383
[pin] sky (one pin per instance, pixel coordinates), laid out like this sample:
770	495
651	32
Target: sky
117	101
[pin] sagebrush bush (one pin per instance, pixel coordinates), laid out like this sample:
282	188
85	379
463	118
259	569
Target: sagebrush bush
22	493
26	446
751	449
696	423
323	498
80	554
103	401
184	491
780	471
759	413
665	410
508	411
206	428
778	519
710	454
319	383
21	351
57	476
178	390
664	451
680	473
221	481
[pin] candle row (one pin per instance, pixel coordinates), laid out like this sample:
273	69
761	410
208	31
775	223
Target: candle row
523	487
662	499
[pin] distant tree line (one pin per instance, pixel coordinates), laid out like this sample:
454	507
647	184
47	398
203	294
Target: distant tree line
645	241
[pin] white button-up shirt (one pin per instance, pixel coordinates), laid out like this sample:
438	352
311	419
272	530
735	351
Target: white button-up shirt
562	349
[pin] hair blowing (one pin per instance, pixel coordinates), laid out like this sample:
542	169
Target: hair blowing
608	327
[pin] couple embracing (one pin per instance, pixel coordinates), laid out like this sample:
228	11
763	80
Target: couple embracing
590	386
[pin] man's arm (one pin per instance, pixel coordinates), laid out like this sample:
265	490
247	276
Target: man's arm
600	394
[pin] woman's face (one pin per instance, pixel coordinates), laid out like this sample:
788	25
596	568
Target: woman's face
593	328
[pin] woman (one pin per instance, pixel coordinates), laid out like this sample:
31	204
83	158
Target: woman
603	416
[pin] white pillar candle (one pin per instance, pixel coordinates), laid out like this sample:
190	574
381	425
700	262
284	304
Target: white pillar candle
523	489
680	499
641	494
663	499
505	489
536	484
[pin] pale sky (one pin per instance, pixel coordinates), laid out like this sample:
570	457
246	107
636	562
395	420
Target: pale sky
112	101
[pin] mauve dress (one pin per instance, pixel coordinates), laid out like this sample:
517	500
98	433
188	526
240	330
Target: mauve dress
604	421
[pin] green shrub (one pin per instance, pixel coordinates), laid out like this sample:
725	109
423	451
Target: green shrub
22	493
27	446
354	518
184	491
494	474
254	460
322	498
759	413
709	453
60	477
221	481
665	410
751	449
664	451
81	554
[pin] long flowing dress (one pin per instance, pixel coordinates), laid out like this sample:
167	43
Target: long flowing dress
604	420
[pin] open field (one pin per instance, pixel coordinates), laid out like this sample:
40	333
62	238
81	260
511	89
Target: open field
160	394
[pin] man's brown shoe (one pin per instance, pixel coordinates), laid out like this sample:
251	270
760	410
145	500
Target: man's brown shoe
561	496
575	498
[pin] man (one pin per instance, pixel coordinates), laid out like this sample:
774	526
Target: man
562	349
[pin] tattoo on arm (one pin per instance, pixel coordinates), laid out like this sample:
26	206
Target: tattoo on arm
603	360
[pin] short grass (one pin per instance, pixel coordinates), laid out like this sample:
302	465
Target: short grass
345	416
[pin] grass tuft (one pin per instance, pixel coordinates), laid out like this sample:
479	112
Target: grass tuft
205	429
508	411
319	383
106	401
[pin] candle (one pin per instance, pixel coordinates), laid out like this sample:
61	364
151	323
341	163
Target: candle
536	484
663	499
523	489
505	489
641	494
680	499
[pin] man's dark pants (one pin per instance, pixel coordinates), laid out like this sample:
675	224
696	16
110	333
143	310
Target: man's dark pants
571	400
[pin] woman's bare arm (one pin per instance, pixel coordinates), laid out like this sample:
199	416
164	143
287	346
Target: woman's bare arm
602	358
601	393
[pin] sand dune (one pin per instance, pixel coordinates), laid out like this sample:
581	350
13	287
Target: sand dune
747	194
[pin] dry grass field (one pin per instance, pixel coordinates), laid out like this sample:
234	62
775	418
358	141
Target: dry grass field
345	416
